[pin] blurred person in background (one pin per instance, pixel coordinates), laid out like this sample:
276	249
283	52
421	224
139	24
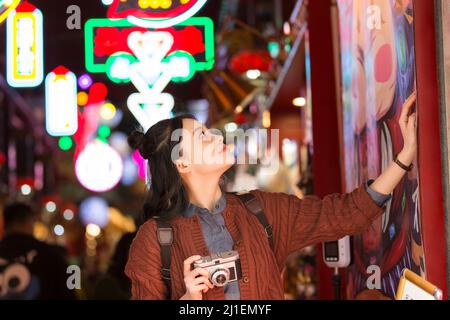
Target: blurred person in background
115	285
29	269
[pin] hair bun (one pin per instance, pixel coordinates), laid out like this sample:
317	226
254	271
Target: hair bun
136	140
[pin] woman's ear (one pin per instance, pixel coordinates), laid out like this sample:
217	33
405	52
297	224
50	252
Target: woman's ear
183	166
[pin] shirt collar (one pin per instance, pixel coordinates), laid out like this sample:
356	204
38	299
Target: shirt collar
219	207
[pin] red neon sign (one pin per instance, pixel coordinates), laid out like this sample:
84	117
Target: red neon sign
150	9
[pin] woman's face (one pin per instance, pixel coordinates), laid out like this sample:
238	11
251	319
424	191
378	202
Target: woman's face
203	150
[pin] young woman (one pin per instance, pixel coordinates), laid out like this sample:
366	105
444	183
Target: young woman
186	191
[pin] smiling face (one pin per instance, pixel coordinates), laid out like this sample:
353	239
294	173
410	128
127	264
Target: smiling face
203	151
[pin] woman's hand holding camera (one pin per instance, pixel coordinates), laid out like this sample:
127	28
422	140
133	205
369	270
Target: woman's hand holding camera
196	281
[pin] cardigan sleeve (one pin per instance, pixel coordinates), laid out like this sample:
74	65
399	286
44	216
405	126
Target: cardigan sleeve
144	265
298	223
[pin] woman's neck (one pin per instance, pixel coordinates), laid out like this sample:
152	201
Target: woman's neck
204	193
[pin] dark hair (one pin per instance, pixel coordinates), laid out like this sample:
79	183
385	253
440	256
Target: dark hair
17	212
167	196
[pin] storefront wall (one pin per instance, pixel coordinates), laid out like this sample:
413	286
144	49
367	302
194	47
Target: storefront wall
412	235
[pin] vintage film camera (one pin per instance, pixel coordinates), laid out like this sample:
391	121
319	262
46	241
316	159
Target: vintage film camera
223	267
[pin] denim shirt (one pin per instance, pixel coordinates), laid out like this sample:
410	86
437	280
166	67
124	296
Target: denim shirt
216	235
218	239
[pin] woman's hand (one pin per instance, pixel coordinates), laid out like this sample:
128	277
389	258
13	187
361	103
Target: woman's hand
393	174
196	281
409	132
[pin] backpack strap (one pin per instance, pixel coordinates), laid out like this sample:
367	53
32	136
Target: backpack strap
253	204
165	238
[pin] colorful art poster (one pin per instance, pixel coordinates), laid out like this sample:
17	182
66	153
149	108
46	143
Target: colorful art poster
378	76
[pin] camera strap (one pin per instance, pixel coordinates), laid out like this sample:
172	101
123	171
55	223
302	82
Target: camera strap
165	234
165	239
252	203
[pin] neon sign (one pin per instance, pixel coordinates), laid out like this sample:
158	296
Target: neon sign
61	109
150	59
150	43
155	13
25	65
107	40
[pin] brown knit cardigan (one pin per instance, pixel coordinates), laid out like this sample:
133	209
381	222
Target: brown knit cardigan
296	224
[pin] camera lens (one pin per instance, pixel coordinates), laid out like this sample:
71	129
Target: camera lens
221	279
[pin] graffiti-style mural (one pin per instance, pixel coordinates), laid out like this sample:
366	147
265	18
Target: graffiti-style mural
378	74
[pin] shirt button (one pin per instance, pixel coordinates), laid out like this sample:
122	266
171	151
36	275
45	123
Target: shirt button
245	279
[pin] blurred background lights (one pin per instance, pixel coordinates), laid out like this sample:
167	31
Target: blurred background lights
253	74
108	111
107	2
115	121
231	127
25	189
65	143
104	131
50	206
82	98
200	109
68	214
59	230
266	120
93	230
299	102
287	28
99	167
94	210
85	81
274	49
118	141
239	109
130	172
